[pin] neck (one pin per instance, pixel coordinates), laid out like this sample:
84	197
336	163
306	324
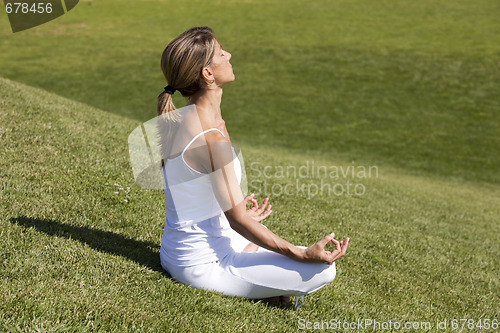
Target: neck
207	103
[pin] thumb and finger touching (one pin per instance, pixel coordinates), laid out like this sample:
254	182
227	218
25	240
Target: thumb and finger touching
340	248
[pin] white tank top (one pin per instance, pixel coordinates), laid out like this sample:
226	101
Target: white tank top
196	228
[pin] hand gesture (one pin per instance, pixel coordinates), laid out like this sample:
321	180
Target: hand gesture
256	212
317	252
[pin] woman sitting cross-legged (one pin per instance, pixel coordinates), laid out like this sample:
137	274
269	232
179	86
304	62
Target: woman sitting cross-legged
211	239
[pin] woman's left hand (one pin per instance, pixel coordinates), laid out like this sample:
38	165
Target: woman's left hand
256	212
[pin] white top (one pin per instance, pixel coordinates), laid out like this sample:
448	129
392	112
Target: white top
196	229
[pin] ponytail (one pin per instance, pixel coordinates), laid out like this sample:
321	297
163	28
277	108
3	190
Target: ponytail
166	120
165	103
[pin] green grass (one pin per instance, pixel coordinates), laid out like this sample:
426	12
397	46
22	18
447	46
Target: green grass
75	256
394	82
409	87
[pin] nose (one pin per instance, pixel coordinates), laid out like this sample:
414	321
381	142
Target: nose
229	55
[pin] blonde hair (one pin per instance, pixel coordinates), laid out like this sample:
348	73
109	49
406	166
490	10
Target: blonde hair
182	63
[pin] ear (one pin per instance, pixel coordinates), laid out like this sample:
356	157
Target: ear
207	74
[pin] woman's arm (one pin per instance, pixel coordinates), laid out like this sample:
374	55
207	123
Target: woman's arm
228	193
246	225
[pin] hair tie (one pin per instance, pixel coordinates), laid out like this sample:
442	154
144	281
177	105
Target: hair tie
169	90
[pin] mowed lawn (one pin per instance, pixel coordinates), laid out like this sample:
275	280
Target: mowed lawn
407	90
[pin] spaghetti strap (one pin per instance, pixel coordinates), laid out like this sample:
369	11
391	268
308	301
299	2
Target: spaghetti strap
196	137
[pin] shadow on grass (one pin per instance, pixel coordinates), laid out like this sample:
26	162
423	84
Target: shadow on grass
144	253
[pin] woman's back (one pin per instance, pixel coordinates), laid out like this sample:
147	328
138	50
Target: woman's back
195	225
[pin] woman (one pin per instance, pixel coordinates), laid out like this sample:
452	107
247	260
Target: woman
211	240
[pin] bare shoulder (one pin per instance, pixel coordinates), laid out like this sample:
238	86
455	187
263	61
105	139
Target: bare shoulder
217	136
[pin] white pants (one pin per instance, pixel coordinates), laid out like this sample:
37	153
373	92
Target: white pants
258	274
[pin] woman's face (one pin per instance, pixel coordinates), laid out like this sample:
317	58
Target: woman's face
222	69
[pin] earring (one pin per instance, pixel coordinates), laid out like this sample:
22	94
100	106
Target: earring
211	82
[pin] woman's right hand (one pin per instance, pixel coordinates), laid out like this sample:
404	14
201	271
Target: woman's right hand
317	253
